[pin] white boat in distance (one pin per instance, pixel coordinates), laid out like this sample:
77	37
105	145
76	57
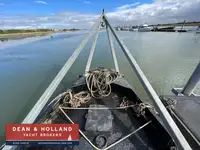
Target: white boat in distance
133	29
144	28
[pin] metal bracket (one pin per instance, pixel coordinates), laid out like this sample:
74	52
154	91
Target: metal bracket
178	92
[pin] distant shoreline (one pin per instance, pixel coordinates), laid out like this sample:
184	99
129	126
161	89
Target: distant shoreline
186	24
8	35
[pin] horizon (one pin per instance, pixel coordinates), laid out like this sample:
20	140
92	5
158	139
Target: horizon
80	14
191	22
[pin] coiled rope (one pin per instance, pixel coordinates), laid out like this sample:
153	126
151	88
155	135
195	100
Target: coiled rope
99	85
77	99
83	97
99	81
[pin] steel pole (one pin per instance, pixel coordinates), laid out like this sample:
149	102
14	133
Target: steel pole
32	115
165	116
192	82
92	49
37	108
112	48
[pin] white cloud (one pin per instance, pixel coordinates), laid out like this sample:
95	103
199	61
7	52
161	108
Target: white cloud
57	20
159	11
87	2
127	6
41	2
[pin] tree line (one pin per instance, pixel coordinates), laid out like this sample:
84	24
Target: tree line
29	30
23	31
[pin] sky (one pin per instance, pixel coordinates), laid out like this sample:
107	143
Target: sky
59	14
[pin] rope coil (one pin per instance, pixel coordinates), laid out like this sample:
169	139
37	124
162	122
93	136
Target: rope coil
99	81
77	99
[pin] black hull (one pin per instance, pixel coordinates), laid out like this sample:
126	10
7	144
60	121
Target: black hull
151	137
165	29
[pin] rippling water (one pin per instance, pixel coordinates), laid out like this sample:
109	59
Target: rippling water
28	66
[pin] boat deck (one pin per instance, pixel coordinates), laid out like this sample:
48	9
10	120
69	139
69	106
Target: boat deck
114	124
121	126
186	112
124	122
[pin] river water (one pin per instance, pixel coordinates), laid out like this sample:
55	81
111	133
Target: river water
27	66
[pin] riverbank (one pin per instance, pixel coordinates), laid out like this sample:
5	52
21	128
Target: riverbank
8	35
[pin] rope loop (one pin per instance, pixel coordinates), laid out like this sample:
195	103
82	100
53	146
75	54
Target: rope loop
99	81
77	99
